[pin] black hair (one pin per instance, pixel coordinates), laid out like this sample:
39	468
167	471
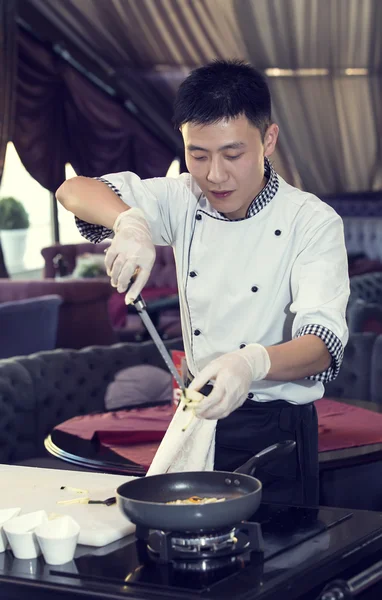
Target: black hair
223	89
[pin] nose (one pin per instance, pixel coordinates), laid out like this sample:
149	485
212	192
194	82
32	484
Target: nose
216	172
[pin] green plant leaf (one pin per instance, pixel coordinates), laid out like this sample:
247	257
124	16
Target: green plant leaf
13	214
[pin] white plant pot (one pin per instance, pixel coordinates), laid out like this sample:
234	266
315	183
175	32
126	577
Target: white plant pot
13	243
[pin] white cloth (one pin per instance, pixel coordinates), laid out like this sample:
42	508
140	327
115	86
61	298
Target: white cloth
189	450
269	275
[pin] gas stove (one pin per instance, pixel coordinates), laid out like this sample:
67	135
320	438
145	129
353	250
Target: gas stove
166	547
283	553
210	563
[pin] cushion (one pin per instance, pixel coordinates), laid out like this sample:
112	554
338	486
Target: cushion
140	385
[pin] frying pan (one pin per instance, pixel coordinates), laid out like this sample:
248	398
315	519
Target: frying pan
143	500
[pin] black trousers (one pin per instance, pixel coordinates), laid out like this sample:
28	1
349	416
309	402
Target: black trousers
293	479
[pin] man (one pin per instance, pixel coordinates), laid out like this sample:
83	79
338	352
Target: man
261	267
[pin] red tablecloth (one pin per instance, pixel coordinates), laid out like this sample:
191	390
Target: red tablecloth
345	426
108	428
340	426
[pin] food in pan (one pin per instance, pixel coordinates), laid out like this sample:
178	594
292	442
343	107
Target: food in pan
197	500
189	401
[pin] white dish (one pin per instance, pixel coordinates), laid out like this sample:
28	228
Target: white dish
5	515
58	539
20	532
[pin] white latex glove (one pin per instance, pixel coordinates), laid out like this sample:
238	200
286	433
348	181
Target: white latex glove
232	375
131	250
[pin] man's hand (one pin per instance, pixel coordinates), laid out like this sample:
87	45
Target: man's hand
131	250
232	375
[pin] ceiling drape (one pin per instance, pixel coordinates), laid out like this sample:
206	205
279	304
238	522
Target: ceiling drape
330	124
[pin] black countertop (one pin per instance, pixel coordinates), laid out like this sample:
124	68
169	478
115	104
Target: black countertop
304	549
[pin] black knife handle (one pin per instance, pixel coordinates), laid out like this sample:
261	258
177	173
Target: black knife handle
139	297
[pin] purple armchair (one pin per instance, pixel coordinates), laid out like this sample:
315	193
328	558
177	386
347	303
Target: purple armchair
29	325
83	315
160	292
69	253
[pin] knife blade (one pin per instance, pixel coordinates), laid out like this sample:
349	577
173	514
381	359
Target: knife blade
141	308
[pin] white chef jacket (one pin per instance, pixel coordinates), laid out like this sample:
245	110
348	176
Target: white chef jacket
268	278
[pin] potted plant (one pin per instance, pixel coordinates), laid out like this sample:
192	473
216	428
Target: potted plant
90	265
14	224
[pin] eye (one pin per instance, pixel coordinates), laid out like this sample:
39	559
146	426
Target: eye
199	157
234	157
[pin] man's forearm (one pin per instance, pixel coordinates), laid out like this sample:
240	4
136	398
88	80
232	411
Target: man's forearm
299	358
91	200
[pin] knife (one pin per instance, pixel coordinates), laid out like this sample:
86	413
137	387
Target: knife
141	308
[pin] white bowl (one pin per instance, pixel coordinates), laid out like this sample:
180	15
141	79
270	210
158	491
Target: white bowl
20	532
5	515
58	539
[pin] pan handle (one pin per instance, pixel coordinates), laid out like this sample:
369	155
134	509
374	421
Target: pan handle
270	453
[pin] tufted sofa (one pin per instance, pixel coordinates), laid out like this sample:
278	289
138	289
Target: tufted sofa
364	316
39	391
364	311
360	377
44	389
356	204
362	216
363	235
367	287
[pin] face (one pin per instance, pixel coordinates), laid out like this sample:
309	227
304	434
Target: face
227	161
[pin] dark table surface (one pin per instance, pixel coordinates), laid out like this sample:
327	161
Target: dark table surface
35	580
85	454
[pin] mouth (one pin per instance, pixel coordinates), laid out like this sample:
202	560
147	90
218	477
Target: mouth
222	194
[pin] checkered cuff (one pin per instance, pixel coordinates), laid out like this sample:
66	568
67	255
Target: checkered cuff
334	346
93	233
96	233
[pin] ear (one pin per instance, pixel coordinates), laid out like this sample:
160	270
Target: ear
270	139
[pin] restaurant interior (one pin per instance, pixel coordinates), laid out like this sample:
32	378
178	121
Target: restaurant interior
87	88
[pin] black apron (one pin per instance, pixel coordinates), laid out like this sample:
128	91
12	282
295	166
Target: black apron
293	479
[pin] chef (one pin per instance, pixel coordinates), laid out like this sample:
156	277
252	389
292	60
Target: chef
261	268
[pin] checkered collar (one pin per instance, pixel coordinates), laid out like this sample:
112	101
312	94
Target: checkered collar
265	196
267	193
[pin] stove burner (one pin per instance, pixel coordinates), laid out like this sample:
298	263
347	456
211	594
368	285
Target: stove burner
204	542
208	565
175	546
